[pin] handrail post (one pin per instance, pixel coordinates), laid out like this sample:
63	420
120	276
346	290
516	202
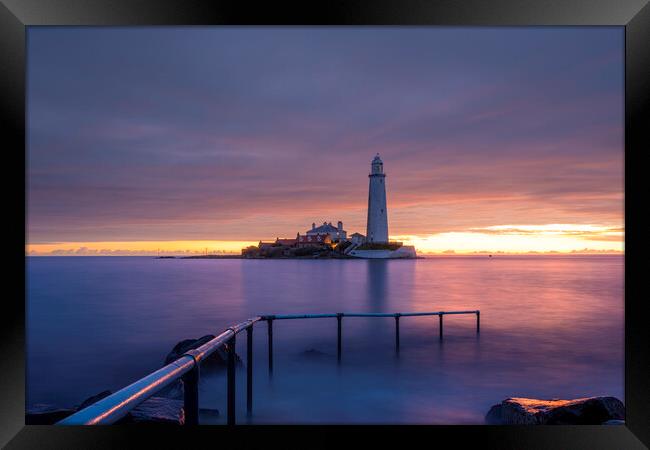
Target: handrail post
440	317
397	332
249	369
231	380
478	322
269	321
191	395
339	320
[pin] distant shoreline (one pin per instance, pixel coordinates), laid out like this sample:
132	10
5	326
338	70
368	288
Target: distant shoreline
420	256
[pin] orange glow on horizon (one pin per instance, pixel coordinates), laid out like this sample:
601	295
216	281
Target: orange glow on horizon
503	239
553	238
138	248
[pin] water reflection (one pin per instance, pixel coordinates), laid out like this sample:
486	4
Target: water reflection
377	284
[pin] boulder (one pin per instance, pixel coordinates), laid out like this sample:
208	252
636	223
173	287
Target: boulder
152	410
218	359
43	414
157	410
94	399
216	362
166	407
580	411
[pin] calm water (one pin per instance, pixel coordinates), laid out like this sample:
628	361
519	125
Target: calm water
551	326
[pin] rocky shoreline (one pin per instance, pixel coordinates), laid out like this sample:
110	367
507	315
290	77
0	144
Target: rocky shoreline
165	407
580	411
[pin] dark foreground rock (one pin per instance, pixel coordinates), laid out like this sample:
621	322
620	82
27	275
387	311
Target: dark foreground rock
152	410
216	360
94	399
165	407
214	363
581	411
157	410
43	414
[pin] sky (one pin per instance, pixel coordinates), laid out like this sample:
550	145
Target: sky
208	139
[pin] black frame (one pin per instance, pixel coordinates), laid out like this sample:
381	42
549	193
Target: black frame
634	15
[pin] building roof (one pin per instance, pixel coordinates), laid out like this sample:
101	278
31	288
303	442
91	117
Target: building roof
357	234
325	228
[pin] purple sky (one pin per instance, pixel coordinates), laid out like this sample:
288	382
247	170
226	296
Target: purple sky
245	133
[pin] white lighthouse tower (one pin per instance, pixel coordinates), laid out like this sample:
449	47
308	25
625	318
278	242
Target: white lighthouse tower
377	228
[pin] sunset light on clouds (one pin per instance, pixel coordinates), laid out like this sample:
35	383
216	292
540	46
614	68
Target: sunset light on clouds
177	140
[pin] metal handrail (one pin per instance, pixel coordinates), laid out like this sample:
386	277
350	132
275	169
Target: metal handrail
332	315
116	406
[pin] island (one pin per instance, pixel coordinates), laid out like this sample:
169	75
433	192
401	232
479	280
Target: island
329	241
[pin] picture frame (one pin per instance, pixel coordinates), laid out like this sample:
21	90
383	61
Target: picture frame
633	15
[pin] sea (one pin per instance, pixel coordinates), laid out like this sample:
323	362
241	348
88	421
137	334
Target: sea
552	326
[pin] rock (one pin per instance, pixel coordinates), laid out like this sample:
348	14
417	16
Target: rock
184	346
216	362
218	359
94	399
44	414
157	410
315	354
174	391
581	411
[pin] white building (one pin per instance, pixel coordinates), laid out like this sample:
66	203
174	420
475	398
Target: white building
377	227
336	233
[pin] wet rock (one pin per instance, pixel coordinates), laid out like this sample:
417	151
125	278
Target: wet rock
216	360
94	399
157	410
581	411
174	391
44	414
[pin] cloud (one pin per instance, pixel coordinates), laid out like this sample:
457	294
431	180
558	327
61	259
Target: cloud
244	134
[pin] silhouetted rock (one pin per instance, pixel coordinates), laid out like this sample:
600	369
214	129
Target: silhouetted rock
94	399
581	411
44	414
157	410
218	359
216	362
166	407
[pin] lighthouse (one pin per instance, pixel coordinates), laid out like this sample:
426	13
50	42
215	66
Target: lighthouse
377	228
